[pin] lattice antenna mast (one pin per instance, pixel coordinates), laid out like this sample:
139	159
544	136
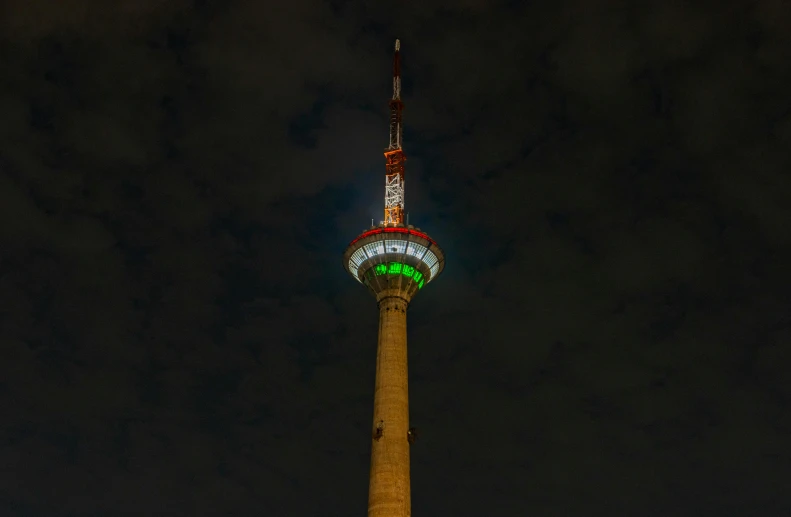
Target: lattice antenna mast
394	154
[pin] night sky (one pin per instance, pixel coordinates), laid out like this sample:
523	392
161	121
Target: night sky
609	180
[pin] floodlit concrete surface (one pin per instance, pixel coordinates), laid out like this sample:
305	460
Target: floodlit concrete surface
389	490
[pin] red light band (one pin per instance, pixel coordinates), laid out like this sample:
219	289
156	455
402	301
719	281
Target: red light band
393	230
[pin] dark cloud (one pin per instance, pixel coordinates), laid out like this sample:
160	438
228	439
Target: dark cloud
178	181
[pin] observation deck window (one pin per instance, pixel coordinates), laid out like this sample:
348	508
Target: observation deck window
393	246
415	249
375	248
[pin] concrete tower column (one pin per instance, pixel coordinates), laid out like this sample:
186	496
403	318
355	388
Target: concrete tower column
388	489
394	263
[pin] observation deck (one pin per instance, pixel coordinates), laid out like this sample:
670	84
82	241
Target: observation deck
394	260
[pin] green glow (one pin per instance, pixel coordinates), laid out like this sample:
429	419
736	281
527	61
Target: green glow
397	268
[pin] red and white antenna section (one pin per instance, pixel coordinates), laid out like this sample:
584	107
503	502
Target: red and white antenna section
394	154
394	199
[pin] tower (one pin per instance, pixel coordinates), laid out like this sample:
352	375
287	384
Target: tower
394	261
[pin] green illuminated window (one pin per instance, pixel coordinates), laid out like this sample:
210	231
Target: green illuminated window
397	268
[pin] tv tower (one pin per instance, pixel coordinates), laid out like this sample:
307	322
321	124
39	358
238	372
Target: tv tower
395	261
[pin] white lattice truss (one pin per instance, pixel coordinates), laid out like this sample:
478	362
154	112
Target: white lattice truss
394	197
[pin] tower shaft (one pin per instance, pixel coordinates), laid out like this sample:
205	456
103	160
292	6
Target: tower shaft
389	487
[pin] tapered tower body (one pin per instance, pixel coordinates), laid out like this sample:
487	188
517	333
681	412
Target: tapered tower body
394	261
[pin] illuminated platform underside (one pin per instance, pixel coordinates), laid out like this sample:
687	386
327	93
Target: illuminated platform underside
394	258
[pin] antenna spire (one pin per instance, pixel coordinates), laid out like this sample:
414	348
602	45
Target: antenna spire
397	71
394	154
